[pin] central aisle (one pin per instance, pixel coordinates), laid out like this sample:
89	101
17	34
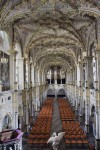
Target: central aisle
57	123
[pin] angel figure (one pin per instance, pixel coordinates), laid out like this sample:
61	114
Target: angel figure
55	139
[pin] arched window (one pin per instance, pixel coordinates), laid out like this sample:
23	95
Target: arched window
7	123
4	61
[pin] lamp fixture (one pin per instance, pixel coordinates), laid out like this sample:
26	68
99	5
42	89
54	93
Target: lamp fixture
3	59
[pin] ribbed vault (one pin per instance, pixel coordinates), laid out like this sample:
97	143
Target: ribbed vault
51	32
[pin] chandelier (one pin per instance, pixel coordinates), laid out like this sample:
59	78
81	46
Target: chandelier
4	60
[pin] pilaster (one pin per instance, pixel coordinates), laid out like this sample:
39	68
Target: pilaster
98	67
87	110
15	109
0	86
81	93
25	82
97	133
25	107
13	78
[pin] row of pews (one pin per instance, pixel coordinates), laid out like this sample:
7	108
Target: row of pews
40	132
75	137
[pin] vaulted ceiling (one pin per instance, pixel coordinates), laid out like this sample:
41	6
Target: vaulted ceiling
52	32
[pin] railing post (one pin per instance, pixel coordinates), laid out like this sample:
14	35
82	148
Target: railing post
4	147
15	146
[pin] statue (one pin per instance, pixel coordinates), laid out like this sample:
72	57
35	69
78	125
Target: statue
55	140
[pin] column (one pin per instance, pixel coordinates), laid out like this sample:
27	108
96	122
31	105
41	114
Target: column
15	68
25	106
29	73
38	77
88	85
74	83
42	78
98	67
61	80
13	78
81	91
37	98
0	78
16	120
0	86
50	76
76	98
25	82
75	90
15	109
26	117
11	70
31	90
88	72
87	110
21	74
20	121
97	88
97	128
55	75
32	74
69	85
71	88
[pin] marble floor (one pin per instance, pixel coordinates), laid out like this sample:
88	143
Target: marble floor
56	127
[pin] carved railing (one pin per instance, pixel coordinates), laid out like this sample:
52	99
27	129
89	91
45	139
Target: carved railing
11	139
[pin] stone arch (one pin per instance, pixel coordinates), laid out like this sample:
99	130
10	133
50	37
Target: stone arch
51	93
61	93
7	122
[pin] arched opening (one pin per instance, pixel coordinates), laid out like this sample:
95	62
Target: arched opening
61	93
7	123
4	61
51	93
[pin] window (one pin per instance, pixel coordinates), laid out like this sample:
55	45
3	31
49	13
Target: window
4	71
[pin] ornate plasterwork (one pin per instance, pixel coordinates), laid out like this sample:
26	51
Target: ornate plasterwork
49	28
